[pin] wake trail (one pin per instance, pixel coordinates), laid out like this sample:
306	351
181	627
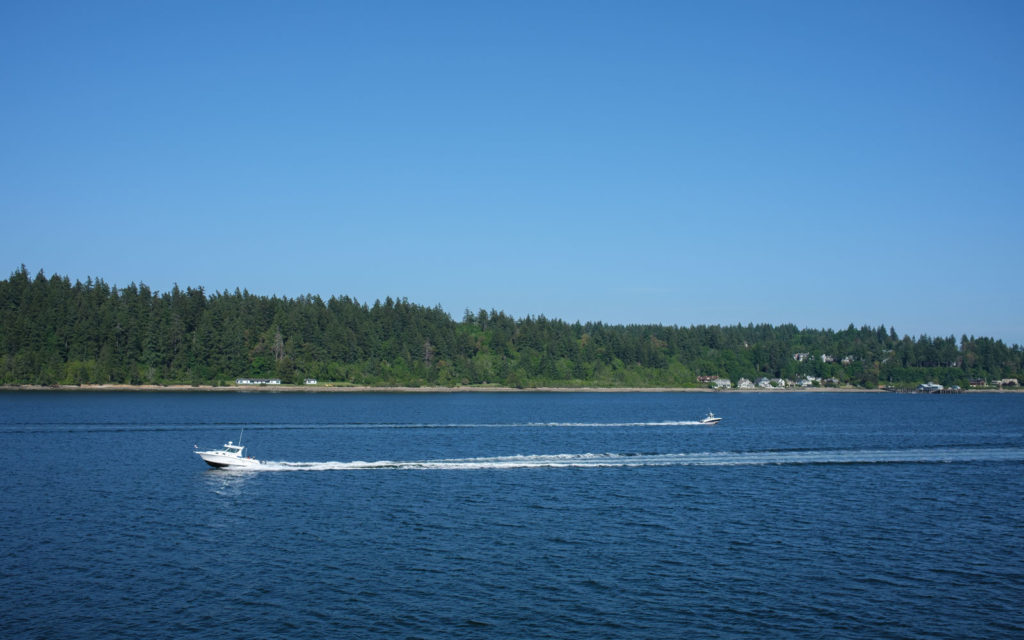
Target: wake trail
713	459
664	423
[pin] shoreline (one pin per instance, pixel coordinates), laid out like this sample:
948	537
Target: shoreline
153	388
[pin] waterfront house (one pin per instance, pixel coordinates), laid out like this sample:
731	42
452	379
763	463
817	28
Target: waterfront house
257	381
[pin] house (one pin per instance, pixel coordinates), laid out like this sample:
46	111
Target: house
721	383
763	383
744	384
848	360
801	357
780	383
257	381
1008	382
825	358
929	387
309	381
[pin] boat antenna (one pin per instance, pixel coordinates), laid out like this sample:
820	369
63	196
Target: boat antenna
240	436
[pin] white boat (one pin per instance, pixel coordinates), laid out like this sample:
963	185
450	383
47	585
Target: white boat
231	456
710	419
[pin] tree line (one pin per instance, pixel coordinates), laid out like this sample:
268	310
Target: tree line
55	332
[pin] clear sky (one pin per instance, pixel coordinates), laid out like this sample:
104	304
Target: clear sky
720	162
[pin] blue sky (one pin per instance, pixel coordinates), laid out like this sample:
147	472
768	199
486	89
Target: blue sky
816	163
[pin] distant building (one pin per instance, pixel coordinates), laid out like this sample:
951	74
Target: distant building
763	383
1008	382
744	384
721	383
257	381
827	358
801	357
309	381
929	387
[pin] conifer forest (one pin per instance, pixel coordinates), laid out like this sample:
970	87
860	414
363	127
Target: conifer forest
55	332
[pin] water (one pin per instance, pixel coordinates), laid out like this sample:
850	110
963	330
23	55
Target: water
603	515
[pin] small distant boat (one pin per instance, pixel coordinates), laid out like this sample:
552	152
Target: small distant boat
710	419
232	455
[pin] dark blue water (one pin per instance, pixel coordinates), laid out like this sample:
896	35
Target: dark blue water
603	515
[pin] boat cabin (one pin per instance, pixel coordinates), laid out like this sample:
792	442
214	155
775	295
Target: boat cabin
233	449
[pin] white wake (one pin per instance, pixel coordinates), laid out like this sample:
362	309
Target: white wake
722	458
663	423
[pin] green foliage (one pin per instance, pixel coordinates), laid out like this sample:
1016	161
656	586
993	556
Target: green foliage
55	332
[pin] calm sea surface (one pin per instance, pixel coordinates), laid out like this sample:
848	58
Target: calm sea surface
562	515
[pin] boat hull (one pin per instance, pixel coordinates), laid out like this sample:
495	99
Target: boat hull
220	461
